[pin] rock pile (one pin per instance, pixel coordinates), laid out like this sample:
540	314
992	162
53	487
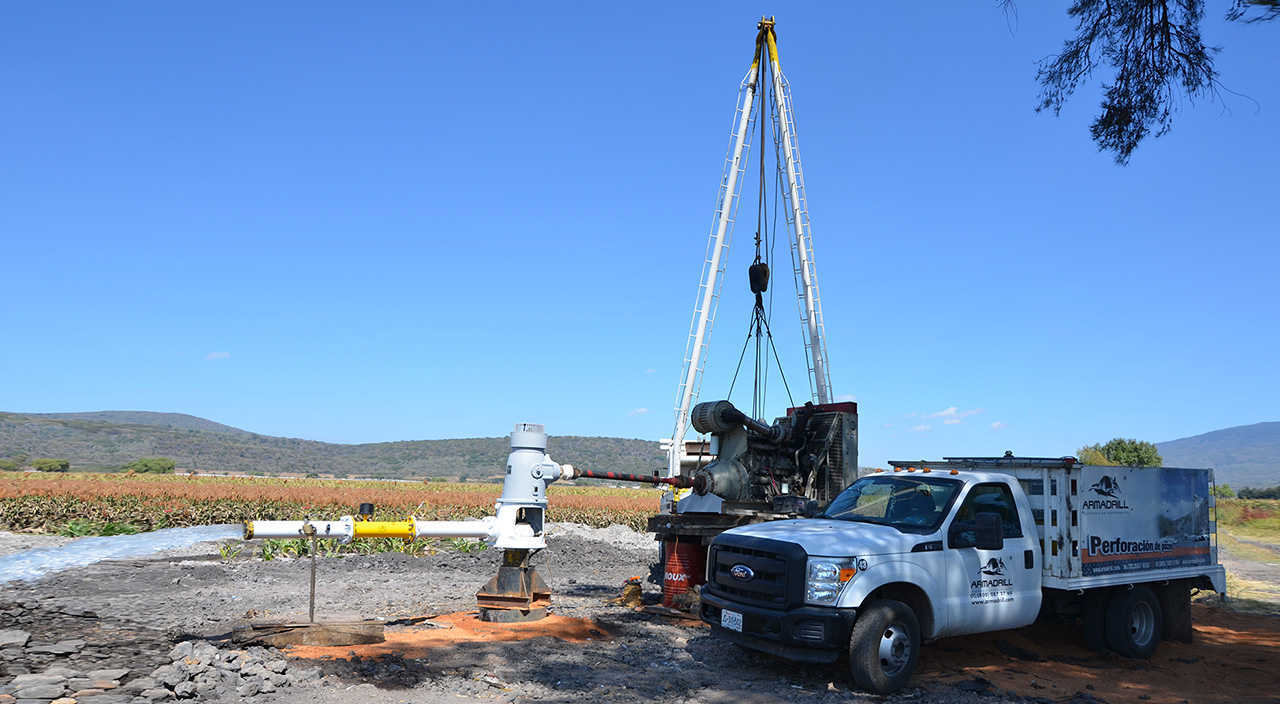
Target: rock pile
62	685
198	670
203	671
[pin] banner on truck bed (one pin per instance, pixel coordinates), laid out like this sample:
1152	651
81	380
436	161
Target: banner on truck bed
1137	519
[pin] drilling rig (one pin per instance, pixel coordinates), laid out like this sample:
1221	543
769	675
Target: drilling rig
751	471
741	469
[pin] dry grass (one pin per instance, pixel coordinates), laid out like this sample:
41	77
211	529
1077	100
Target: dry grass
41	501
1245	596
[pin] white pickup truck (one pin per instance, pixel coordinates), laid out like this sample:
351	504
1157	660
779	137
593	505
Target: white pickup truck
968	545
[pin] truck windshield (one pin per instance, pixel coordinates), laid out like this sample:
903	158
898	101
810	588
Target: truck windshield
913	504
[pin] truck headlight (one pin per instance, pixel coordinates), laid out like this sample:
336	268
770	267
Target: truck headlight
825	579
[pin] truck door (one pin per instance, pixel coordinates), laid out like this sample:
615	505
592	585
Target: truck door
989	590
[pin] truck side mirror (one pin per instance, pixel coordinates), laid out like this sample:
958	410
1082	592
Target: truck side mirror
990	531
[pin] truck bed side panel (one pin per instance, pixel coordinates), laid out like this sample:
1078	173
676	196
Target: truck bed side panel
1132	520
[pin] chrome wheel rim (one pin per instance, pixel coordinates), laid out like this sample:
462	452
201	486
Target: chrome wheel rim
895	649
1142	624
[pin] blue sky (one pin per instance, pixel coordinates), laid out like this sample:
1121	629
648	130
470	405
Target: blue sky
406	221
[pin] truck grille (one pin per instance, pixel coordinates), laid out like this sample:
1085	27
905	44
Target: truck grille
777	570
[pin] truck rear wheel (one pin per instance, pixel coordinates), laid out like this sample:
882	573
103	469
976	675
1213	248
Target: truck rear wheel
884	646
1134	622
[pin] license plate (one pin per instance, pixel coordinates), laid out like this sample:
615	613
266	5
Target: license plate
731	620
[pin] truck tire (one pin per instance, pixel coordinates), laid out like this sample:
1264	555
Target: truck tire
884	646
1134	622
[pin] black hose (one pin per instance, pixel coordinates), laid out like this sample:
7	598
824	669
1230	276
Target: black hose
678	482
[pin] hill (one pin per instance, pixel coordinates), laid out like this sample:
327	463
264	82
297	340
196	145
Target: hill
1245	455
177	421
108	439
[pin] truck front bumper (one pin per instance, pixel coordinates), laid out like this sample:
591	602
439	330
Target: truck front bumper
804	633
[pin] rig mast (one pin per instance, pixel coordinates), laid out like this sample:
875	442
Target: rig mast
797	215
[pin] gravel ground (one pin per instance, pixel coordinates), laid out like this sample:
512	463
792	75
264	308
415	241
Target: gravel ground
1254	570
17	542
130	613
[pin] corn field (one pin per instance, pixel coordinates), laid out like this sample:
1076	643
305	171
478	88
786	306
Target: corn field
39	502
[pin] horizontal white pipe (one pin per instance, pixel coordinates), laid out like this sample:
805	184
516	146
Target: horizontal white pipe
344	529
483	528
340	529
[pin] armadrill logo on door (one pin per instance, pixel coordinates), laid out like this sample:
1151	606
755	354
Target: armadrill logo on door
1143	519
992	585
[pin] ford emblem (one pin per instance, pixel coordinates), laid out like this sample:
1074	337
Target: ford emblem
742	573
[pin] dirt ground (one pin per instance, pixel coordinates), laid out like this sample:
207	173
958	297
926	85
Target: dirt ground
1234	658
1254	566
591	649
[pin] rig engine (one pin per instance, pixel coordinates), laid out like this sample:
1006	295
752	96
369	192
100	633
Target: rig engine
800	462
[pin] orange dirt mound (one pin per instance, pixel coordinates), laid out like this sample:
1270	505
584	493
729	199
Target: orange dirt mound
1235	658
460	627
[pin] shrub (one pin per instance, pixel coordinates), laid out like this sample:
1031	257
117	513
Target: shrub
152	465
79	528
49	464
8	465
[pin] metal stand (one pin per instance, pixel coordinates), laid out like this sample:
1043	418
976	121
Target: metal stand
280	635
517	593
311	606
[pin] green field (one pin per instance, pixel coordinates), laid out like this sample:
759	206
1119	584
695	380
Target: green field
1255	519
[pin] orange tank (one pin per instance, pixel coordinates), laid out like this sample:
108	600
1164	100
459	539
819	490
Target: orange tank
685	568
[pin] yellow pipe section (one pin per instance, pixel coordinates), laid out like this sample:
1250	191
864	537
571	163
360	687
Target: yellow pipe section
385	529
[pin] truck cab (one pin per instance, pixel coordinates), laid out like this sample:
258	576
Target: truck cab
900	556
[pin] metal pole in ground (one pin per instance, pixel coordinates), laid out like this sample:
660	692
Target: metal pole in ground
311	607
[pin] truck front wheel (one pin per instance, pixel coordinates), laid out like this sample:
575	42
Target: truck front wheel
884	646
1134	622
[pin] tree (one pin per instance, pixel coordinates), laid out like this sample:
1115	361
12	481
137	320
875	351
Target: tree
1271	492
49	464
1155	53
1224	491
1092	454
1132	453
8	465
1121	451
154	465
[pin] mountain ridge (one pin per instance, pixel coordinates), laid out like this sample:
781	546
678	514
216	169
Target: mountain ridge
1242	455
95	440
181	421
